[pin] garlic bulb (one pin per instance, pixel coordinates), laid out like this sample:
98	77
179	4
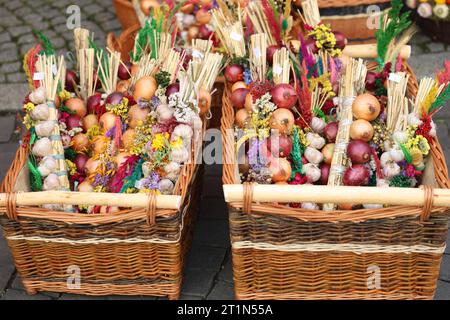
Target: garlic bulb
313	155
312	172
413	119
197	123
172	170
179	155
310	206
164	113
47	165
188	20
38	96
315	140
386	159
433	129
51	182
44	128
387	145
166	186
420	166
40	112
42	147
184	131
391	170
382	183
396	155
400	137
317	124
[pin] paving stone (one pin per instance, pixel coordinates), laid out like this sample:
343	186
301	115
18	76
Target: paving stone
12	294
105	16
10	21
62	19
26	38
205	257
58	43
92	9
11	96
6	261
9	55
442	291
25	47
7	125
4	37
8	46
19	30
226	274
16	77
221	291
211	234
7	153
17	283
11	67
22	11
13	5
197	282
445	268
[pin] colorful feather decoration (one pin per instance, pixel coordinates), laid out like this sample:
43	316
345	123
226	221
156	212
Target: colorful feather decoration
270	14
125	170
130	181
305	54
29	65
440	100
47	47
443	76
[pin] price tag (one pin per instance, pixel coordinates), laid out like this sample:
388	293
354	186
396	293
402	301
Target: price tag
235	36
257	52
277	69
38	76
395	77
197	54
54	69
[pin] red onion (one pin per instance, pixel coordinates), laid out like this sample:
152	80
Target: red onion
73	121
371	78
124	71
359	151
270	51
98	83
279	146
172	88
324	173
357	175
94	102
80	161
204	32
238	97
284	95
330	131
114	98
71	79
341	40
234	73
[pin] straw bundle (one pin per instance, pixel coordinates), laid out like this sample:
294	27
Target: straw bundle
108	66
260	24
230	33
172	63
311	14
258	49
429	89
281	66
85	60
351	84
147	66
397	105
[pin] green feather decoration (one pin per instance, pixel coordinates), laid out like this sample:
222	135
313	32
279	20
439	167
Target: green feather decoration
163	79
400	181
47	47
284	24
408	156
296	154
440	100
35	175
130	181
70	154
398	23
275	9
98	51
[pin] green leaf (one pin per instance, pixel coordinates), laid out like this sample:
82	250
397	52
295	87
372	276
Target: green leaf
408	156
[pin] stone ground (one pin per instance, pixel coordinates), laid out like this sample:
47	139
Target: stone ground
208	273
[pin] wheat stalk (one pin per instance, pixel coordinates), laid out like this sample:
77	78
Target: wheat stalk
258	49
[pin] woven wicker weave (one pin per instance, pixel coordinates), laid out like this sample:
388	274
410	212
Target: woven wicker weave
131	252
284	253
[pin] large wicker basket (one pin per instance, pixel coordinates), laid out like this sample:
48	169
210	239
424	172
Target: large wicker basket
351	17
130	252
284	253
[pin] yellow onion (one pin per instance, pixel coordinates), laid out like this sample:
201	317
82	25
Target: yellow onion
238	85
134	69
91	165
77	105
147	5
327	153
242	118
366	107
80	143
128	138
100	144
123	86
89	121
85	186
193	32
107	120
203	16
137	115
187	8
248	102
282	120
204	101
281	169
145	88
361	130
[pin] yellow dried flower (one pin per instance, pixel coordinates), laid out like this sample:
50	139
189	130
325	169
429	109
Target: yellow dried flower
120	109
178	142
64	95
159	141
71	167
28	107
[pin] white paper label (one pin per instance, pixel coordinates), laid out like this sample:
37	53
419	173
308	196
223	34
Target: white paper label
38	76
395	77
257	52
54	69
197	54
277	69
235	36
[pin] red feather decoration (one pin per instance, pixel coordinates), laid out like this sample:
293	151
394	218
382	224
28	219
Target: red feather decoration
32	57
274	26
124	171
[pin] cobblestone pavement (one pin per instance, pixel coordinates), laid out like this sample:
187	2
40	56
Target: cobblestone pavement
208	273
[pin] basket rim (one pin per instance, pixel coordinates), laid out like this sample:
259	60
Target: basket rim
228	176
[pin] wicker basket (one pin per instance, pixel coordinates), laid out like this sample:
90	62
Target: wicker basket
350	17
285	253
125	13
131	252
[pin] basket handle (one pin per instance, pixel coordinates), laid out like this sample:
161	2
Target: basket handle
112	43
